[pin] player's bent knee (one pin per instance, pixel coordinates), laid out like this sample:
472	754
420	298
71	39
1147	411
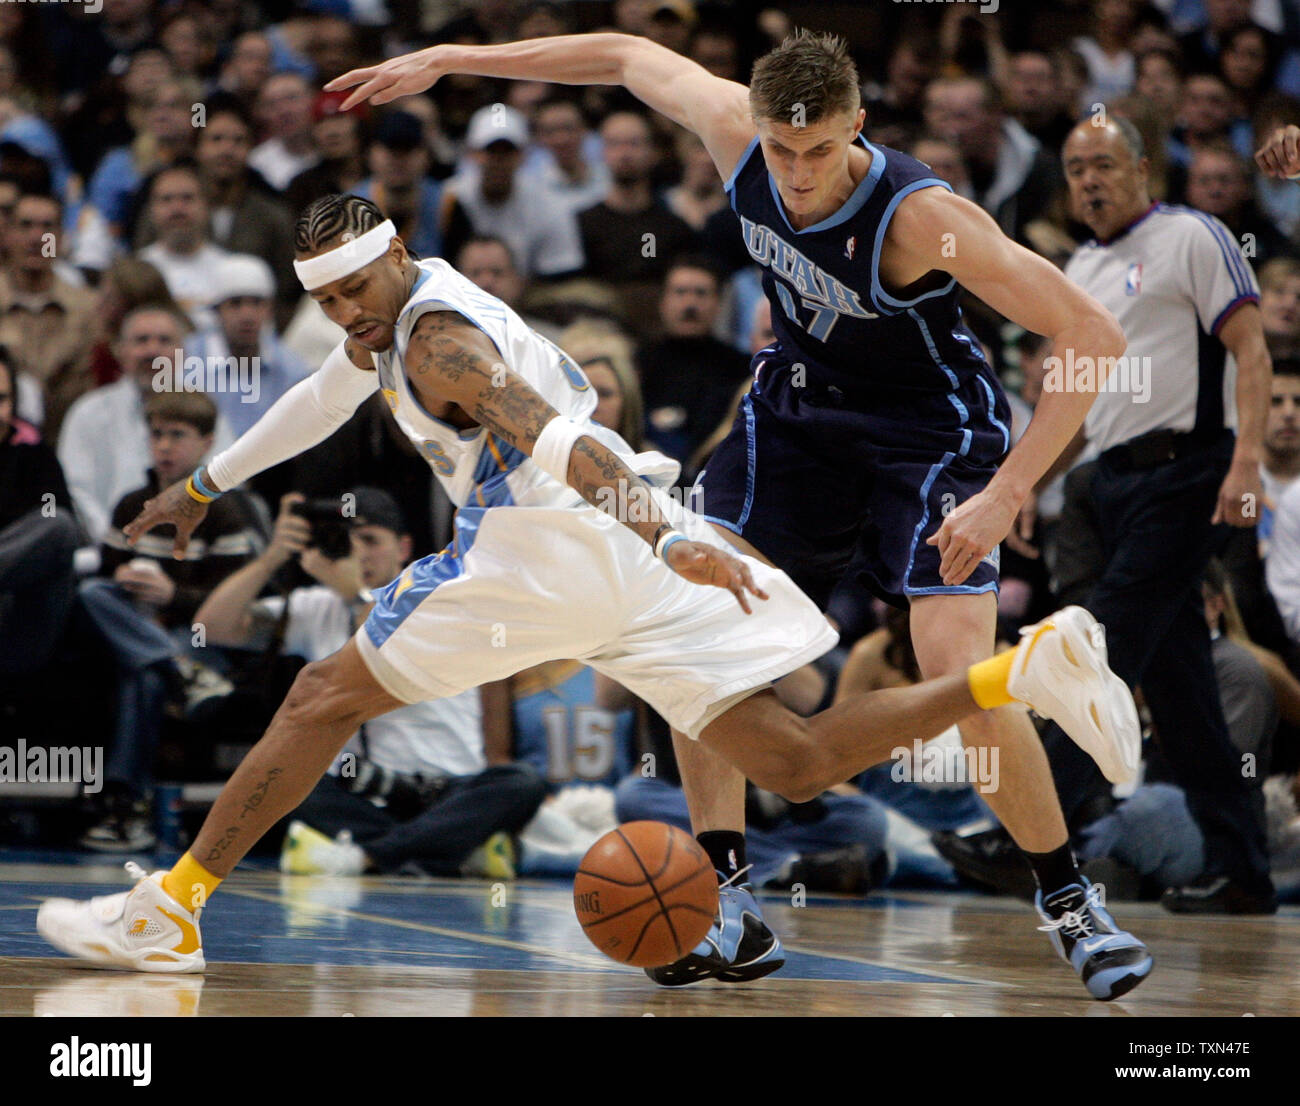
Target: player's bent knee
797	769
805	782
322	696
773	747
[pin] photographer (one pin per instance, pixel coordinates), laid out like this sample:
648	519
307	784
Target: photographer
419	788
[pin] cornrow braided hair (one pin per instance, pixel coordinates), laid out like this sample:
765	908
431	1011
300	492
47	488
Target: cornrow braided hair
331	217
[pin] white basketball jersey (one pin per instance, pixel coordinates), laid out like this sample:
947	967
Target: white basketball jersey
477	468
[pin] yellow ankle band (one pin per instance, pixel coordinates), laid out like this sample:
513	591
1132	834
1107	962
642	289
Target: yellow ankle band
189	883
988	681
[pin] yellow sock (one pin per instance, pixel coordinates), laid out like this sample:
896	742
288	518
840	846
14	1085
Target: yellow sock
189	883
988	681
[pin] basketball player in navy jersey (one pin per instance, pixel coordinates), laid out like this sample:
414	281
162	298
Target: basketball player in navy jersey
874	422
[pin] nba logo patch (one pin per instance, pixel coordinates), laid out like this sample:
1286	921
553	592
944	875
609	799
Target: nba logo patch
1133	283
391	396
850	246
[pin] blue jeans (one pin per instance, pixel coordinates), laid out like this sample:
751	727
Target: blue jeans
850	820
143	651
948	808
1153	832
503	797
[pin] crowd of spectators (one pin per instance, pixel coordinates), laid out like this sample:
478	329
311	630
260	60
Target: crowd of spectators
154	156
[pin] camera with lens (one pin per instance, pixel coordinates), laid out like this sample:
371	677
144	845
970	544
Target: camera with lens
331	532
404	795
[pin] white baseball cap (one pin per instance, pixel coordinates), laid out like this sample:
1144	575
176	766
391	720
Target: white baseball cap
241	274
496	123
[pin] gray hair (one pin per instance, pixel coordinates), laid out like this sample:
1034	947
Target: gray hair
1128	133
1132	138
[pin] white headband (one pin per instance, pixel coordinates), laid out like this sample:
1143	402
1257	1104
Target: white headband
347	257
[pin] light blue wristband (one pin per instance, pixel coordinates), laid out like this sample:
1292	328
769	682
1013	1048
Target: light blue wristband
198	484
667	542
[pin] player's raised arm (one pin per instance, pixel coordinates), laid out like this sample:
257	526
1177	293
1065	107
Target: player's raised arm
715	109
934	229
449	359
304	416
1028	290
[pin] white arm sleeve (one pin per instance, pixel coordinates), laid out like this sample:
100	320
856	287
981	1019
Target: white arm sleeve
304	416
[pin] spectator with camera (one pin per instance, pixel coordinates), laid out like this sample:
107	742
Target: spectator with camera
418	789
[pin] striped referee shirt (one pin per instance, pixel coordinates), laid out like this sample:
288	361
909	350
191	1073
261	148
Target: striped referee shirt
1171	278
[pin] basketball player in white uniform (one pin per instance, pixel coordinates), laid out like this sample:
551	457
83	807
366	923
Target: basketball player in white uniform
563	549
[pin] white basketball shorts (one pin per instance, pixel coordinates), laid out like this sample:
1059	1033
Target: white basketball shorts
522	585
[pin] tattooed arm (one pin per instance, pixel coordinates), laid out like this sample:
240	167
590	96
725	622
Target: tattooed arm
449	360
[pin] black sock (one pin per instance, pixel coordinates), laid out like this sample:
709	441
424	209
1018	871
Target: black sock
1054	870
726	848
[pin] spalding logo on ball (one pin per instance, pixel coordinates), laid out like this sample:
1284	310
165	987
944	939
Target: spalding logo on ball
646	894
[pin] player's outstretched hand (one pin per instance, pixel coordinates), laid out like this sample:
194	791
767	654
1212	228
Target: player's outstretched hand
701	563
390	80
1280	155
173	505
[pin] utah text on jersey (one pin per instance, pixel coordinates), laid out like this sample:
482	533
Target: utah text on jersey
821	292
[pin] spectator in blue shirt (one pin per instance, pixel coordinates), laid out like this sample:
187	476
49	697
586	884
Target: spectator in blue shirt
264	368
399	183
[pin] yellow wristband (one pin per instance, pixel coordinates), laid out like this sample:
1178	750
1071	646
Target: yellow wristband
194	492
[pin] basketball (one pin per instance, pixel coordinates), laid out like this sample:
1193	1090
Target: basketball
646	894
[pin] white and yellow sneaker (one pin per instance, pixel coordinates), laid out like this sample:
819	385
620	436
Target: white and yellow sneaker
143	930
1060	671
308	852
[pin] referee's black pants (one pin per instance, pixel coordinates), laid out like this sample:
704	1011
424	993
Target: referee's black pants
1156	539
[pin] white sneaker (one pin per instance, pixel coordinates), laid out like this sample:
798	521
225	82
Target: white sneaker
1060	671
308	852
143	930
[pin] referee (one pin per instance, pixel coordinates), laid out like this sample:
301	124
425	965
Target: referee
1169	472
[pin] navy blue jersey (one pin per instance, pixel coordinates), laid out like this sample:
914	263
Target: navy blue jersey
829	310
875	413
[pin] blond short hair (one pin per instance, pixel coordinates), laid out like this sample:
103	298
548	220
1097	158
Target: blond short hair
809	75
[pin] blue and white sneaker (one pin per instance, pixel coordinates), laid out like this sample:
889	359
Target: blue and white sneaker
1110	961
738	948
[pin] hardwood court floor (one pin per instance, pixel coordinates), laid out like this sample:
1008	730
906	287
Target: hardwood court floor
301	945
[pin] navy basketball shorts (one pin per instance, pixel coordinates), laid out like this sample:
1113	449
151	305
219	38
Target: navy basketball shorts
823	483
